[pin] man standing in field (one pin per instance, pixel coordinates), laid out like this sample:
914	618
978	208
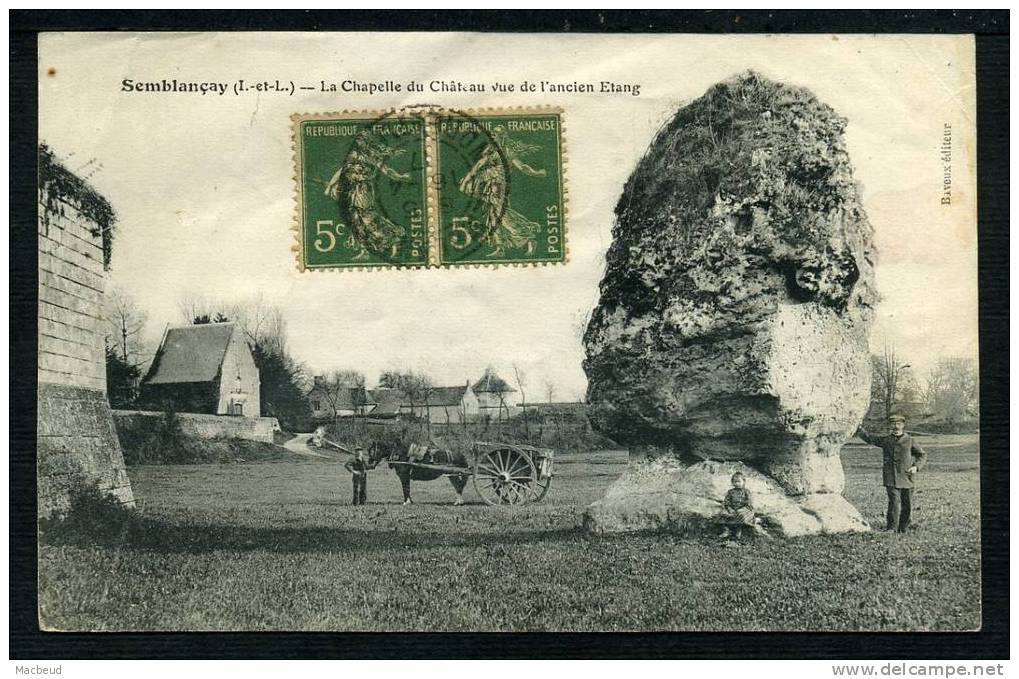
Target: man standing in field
358	468
903	457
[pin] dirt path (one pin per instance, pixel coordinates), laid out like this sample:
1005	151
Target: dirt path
299	445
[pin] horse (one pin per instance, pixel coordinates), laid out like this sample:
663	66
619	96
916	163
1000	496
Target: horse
394	452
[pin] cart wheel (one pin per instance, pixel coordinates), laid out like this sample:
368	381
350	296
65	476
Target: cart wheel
542	480
505	476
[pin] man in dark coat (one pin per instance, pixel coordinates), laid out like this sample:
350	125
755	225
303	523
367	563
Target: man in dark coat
903	458
358	468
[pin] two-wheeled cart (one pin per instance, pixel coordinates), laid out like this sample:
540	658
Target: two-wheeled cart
503	473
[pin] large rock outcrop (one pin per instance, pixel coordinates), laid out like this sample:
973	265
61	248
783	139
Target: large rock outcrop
734	314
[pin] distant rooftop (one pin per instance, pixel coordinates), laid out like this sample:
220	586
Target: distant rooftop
490	383
191	353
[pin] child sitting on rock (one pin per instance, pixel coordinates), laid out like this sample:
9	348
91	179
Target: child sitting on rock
738	509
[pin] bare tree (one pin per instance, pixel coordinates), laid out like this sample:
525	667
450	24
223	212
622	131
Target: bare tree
191	306
496	385
951	392
416	387
389	379
340	389
892	382
549	391
358	395
519	377
262	323
125	324
550	414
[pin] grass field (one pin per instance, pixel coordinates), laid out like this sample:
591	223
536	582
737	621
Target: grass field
277	546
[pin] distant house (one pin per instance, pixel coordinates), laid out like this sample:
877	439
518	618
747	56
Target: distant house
388	403
452	405
441	405
204	368
329	400
494	394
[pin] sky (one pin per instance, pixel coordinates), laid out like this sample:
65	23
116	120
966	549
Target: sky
203	185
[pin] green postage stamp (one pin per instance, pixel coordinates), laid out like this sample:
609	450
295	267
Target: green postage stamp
430	187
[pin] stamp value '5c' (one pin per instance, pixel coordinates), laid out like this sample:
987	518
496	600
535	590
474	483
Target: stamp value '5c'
430	187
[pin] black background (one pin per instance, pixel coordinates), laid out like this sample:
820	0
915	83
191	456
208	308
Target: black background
991	28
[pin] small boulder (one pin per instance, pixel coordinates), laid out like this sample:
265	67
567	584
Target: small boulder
663	494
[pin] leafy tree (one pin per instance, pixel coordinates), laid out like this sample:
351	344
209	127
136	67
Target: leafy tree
282	394
121	380
205	319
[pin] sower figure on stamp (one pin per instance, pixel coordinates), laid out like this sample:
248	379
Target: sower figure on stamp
358	468
903	457
354	186
487	181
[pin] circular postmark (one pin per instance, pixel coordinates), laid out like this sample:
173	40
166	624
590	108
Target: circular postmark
472	175
382	191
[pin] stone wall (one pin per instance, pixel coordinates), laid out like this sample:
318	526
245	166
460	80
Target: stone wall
71	284
212	426
76	439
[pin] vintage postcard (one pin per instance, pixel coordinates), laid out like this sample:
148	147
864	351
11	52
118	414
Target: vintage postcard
507	332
